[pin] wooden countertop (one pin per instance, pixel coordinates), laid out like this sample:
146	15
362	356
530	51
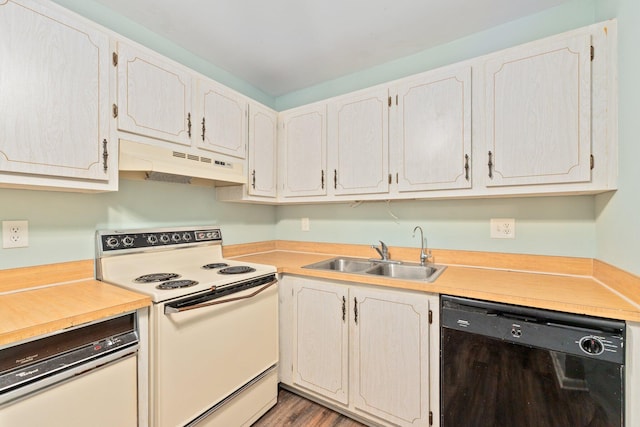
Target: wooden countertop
39	300
571	293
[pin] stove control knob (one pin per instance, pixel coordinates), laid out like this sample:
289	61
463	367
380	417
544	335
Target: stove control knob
186	237
127	241
112	242
164	238
592	345
175	237
152	239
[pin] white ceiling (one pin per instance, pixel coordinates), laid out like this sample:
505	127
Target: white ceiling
280	46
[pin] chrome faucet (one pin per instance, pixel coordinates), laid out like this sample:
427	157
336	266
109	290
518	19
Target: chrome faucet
423	256
383	251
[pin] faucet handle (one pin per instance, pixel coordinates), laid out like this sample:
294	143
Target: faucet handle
383	250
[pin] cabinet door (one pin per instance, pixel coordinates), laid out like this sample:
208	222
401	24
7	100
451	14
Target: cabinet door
390	355
222	120
359	143
263	126
54	94
154	96
432	141
538	113
320	339
304	151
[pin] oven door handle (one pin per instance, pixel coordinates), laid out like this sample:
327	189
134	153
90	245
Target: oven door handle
171	310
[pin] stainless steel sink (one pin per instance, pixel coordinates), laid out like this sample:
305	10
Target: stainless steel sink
343	264
427	273
406	271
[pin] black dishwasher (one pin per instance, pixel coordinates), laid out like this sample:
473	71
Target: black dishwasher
505	365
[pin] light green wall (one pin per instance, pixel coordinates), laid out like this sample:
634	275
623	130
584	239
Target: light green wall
547	225
618	214
607	226
62	225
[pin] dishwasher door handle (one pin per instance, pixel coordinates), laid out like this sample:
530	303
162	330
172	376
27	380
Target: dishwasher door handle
171	310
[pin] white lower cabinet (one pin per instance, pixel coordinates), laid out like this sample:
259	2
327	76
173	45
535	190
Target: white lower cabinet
363	350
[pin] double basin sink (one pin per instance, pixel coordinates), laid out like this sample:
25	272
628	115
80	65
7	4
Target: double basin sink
395	270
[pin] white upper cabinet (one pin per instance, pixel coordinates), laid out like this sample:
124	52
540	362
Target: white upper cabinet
359	142
154	96
431	144
54	100
222	120
303	136
538	113
263	128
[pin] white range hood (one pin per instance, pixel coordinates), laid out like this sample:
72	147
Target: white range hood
143	161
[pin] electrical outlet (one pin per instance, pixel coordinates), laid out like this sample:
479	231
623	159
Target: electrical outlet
503	228
15	234
304	224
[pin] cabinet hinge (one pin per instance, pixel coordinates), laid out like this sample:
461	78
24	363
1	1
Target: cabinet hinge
430	418
114	59
115	111
430	317
592	161
593	53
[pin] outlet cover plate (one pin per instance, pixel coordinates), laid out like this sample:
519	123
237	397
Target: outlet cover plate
503	228
15	234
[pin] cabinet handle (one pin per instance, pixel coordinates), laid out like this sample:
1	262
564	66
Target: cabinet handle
203	129
466	167
189	124
105	155
335	179
322	178
355	310
253	179
344	308
490	164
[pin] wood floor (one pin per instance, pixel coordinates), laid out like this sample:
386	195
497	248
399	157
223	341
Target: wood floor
295	411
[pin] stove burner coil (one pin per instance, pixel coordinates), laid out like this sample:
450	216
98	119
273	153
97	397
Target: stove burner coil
237	269
156	277
215	265
175	284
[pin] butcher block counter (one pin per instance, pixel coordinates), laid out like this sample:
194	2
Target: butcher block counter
574	285
43	299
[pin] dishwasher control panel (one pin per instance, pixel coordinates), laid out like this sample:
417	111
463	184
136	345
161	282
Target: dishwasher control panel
572	334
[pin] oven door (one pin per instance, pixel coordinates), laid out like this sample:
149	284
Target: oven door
209	346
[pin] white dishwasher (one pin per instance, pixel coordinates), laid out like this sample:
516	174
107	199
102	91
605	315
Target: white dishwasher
86	376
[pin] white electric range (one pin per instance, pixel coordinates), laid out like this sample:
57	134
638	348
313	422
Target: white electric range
213	324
